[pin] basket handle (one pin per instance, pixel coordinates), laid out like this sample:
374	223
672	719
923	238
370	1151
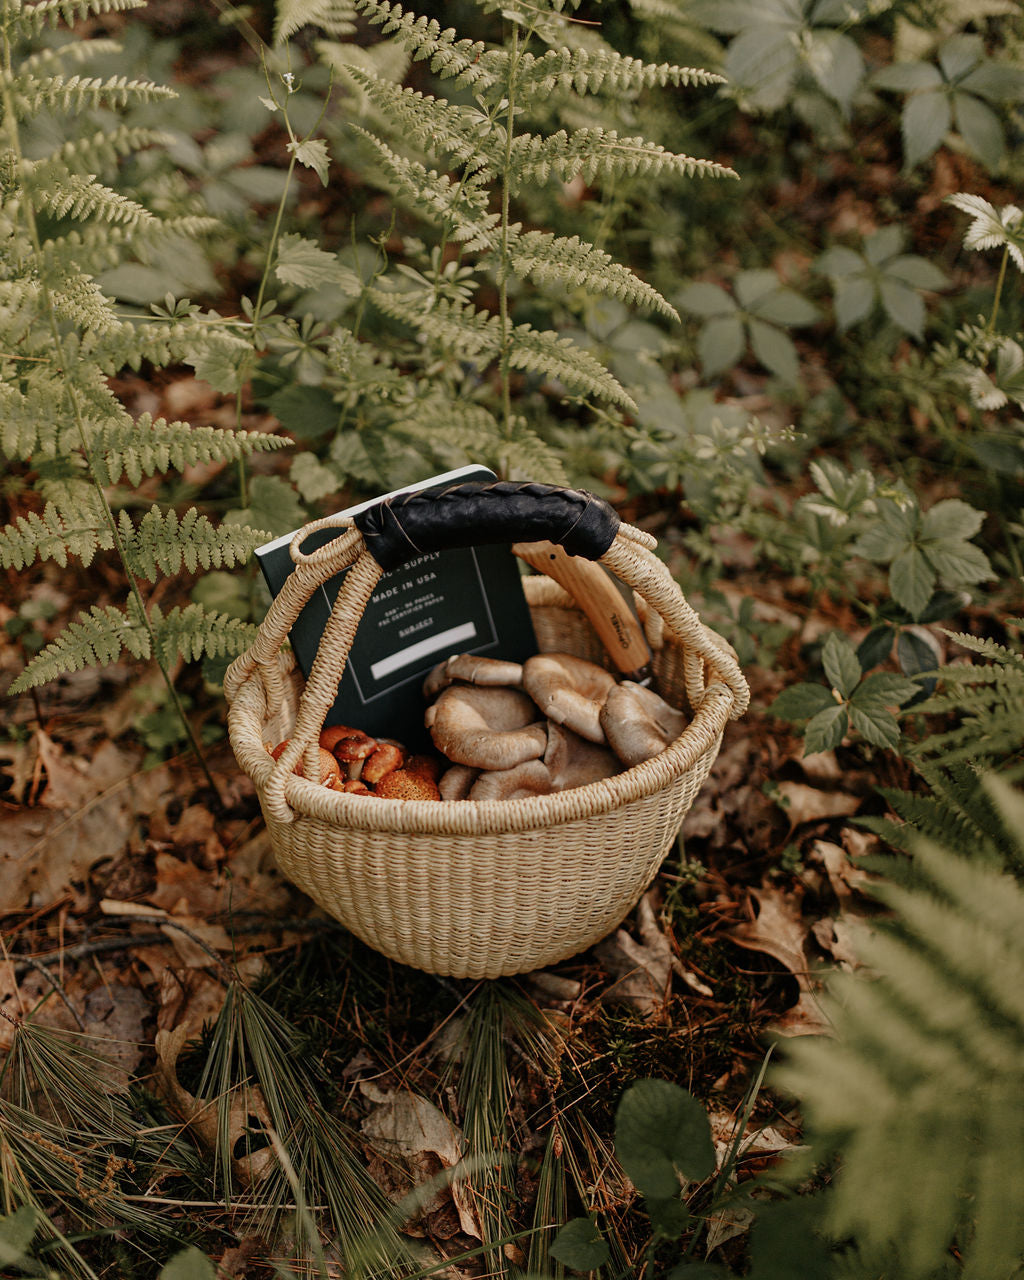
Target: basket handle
460	515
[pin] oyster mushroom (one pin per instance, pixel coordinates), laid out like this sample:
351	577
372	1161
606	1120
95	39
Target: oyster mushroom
455	783
569	690
471	668
486	728
569	761
530	778
638	723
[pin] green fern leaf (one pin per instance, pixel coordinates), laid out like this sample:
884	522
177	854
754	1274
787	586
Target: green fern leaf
85	155
163	544
151	446
196	632
457	325
335	17
536	351
29	20
987	648
78	530
594	153
424	39
31	93
81	196
601	70
433	195
440	128
929	1050
575	264
96	638
528	457
45	61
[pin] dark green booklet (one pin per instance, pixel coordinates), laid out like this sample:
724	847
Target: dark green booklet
464	600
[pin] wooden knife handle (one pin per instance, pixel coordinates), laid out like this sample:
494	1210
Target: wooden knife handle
597	595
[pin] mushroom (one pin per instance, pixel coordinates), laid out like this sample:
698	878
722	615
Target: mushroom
531	778
455	783
471	668
330	773
428	766
487	728
573	761
350	747
402	785
569	690
387	757
638	723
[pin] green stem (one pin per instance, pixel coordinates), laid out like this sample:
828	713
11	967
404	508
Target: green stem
83	437
999	290
506	332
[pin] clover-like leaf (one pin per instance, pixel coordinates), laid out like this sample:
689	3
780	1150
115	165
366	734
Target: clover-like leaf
662	1131
801	701
842	666
580	1245
880	275
826	730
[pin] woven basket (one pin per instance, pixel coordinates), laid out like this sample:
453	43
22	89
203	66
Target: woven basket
476	889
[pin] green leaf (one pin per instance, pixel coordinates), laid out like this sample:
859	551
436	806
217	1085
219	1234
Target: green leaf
854	300
926	121
273	505
951	518
960	54
980	129
875	647
883	244
958	564
314	155
889	535
785	307
669	1218
307	412
720	344
303	263
801	701
883	689
906	77
840	261
16	1232
996	81
775	350
826	730
836	63
705	299
903	306
762	62
878	726
842	667
911	580
662	1131
918	272
914	654
189	1264
580	1246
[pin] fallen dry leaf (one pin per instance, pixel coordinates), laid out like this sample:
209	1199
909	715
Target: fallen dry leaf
201	1114
803	803
418	1142
643	969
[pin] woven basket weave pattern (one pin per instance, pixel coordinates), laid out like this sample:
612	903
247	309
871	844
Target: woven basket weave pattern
479	890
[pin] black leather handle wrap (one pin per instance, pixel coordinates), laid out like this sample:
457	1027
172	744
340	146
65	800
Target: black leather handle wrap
465	515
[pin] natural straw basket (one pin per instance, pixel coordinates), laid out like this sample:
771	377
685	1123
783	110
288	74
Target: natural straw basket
478	889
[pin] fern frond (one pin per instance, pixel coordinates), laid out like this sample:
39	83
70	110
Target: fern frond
81	196
424	39
79	155
29	20
31	93
196	632
80	300
98	248
461	205
162	342
540	351
594	153
458	325
987	648
575	264
528	456
150	446
77	51
95	638
161	543
27	420
335	17
75	530
602	70
440	128
932	1044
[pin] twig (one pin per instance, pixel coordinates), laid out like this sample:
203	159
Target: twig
58	989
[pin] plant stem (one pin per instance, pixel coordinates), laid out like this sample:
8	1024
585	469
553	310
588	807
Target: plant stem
999	290
83	437
506	332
